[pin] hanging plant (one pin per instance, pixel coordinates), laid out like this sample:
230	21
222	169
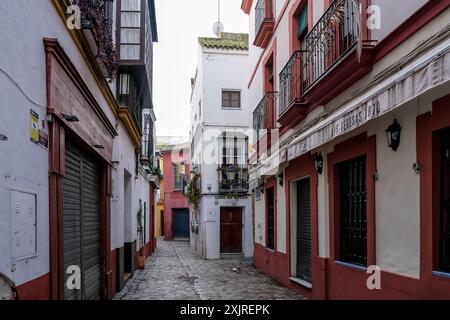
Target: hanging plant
140	223
194	194
94	12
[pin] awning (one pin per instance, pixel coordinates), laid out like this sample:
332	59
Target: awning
430	70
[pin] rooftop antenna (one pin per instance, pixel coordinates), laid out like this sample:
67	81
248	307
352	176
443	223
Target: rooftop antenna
218	26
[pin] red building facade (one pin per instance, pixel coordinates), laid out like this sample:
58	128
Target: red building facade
358	184
176	207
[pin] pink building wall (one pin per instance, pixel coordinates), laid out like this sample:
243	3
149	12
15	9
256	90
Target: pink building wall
173	199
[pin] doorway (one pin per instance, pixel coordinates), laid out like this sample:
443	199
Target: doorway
181	223
230	230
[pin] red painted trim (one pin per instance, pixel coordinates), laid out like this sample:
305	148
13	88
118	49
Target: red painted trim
264	51
36	289
417	21
271	58
428	157
304	167
358	146
246	6
58	130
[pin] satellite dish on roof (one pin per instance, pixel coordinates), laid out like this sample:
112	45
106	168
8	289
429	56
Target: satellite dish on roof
218	28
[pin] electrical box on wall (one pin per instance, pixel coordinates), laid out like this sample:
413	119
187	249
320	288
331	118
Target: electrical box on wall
23	224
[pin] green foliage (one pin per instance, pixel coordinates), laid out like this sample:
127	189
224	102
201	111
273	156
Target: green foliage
193	191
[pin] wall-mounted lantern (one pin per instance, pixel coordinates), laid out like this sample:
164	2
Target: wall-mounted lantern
70	118
393	135
319	163
281	179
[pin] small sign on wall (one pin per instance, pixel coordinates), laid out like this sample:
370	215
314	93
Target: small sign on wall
34	127
38	130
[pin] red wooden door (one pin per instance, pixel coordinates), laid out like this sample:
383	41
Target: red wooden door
230	230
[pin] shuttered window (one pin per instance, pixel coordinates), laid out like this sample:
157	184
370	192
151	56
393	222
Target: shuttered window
445	201
271	218
231	99
81	201
304	230
353	215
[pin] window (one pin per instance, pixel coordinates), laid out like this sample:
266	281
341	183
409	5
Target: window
233	150
444	250
303	23
271	219
231	99
353	211
130	30
179	175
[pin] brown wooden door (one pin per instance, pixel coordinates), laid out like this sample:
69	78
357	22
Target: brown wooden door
230	230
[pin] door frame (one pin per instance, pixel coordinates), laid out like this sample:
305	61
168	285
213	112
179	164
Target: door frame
173	220
298	169
59	129
242	226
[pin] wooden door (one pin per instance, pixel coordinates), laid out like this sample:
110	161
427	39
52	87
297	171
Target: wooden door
230	230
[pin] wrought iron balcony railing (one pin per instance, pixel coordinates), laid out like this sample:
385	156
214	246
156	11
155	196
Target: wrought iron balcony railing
263	116
290	83
336	34
233	179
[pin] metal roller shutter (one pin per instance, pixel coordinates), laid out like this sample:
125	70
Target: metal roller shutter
304	230
81	188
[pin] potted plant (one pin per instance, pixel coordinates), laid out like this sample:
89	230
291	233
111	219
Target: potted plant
140	232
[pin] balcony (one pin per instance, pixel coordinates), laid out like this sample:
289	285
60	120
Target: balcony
263	116
291	90
264	23
336	49
233	179
97	25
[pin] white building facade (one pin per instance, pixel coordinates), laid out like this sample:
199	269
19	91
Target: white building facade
222	220
73	175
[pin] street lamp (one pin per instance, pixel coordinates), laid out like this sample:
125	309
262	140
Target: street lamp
319	163
393	135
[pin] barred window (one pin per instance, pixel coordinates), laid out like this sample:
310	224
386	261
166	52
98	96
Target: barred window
353	211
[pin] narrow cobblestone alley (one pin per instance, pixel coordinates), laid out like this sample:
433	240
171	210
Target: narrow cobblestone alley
175	273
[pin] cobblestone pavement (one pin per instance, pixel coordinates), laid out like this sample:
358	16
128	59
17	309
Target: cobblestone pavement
173	272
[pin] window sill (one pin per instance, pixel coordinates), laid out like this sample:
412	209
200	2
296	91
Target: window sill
351	266
301	282
231	109
441	274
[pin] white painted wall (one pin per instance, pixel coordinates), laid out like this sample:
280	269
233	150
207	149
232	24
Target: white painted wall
24	164
260	221
217	70
210	225
124	221
222	70
402	9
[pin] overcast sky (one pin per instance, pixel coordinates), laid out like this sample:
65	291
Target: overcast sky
180	23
